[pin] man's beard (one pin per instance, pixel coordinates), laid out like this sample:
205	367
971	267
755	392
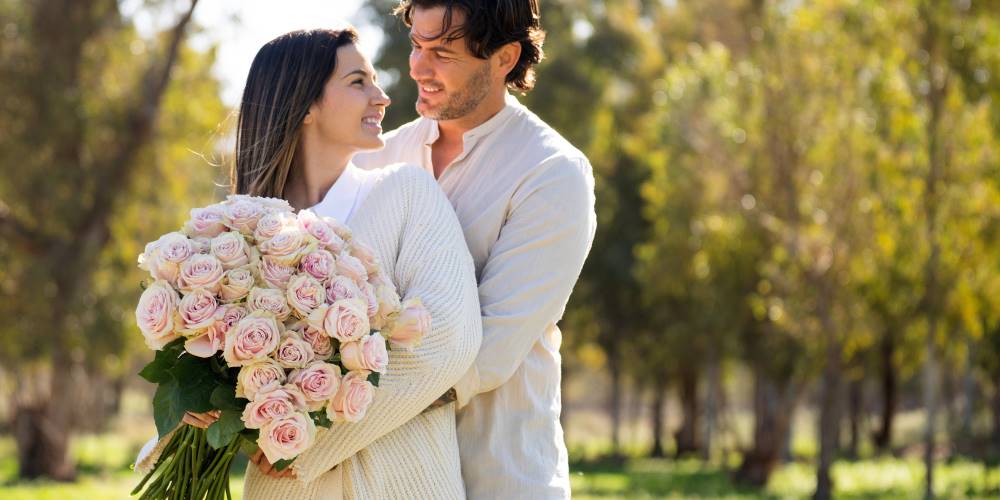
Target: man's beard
465	100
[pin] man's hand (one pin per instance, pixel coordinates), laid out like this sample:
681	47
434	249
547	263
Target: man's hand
201	420
267	468
445	398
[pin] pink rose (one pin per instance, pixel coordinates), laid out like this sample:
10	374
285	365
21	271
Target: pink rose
352	399
267	204
411	325
207	343
273	401
201	245
236	284
319	264
228	315
275	273
155	314
174	247
388	306
252	339
320	230
270	225
351	267
343	231
207	222
197	311
319	382
159	268
200	271
366	255
344	320
368	353
341	288
304	294
231	249
368	293
256	376
287	438
293	352
286	247
242	215
271	300
321	344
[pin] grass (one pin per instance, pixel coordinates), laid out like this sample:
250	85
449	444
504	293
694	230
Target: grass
104	459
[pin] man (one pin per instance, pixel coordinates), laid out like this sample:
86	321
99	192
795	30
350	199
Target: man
525	199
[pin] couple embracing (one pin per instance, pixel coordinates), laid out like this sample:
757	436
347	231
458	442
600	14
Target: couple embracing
477	207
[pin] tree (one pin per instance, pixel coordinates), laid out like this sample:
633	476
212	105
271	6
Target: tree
79	117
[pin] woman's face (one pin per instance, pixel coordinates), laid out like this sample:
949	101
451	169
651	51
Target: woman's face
351	109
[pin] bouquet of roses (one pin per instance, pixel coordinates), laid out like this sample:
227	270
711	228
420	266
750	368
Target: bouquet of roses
280	320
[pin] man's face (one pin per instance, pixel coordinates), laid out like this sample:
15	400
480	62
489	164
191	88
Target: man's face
451	82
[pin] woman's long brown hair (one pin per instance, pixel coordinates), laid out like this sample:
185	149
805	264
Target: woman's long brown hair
286	77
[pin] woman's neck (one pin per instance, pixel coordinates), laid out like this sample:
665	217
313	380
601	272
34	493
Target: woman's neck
312	177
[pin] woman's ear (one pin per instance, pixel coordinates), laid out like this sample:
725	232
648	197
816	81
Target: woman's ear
310	115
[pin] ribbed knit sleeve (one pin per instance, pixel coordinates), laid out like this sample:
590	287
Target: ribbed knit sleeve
413	229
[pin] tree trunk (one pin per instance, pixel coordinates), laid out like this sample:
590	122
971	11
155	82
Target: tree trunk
774	402
688	436
890	392
854	401
658	416
829	419
996	411
711	408
614	400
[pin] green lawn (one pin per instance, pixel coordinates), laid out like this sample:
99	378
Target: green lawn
104	460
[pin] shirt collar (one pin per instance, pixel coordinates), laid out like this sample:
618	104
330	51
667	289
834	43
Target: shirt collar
339	200
472	136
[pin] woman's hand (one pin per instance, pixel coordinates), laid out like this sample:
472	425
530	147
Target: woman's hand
201	420
261	461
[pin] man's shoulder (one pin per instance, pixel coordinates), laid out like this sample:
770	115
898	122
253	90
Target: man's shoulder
543	142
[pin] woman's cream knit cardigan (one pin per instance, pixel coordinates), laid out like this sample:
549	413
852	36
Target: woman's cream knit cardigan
397	451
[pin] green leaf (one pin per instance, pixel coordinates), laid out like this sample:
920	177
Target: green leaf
320	418
248	443
224	430
196	382
281	465
373	377
167	408
224	398
157	371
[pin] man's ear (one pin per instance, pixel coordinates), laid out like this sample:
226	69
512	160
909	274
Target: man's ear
506	57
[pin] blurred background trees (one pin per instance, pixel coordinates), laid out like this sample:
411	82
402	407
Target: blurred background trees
798	208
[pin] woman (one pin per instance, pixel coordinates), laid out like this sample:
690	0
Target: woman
310	103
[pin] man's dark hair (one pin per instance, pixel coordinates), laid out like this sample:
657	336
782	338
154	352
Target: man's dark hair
489	25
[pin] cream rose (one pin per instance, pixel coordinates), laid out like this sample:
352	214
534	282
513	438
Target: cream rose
270	225
271	300
343	231
252	339
236	284
287	247
255	376
231	250
206	344
159	268
410	326
368	293
352	399
304	294
388	306
350	266
200	271
293	352
366	255
345	320
287	438
155	314
319	382
368	353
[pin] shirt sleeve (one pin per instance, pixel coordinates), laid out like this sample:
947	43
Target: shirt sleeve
433	263
531	270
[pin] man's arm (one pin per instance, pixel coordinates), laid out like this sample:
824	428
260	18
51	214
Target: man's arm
531	270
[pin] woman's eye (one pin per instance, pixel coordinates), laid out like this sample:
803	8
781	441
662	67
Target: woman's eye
358	82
